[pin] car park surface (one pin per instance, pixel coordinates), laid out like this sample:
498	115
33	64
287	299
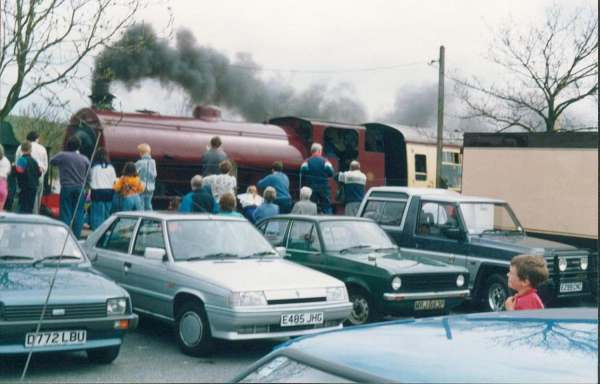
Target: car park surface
539	346
380	279
214	277
85	311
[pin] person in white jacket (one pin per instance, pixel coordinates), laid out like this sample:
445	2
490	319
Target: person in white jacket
102	180
39	154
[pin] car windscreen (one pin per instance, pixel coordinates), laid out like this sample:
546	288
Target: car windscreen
285	370
210	239
27	242
341	235
488	218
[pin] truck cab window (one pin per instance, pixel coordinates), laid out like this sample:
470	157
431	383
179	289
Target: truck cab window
435	219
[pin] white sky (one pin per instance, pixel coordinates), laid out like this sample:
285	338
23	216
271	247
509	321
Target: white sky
332	35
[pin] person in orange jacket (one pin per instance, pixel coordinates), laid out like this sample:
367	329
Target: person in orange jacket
129	186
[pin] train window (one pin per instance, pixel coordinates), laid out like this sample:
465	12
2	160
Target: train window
341	144
420	167
374	141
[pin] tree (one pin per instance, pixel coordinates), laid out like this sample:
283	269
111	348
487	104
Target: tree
44	41
553	65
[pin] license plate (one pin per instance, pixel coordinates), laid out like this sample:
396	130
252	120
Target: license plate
49	339
571	287
301	319
429	304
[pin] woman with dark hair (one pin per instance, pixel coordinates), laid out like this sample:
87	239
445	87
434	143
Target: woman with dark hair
102	181
130	186
223	182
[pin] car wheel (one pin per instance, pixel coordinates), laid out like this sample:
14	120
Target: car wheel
103	355
363	310
192	330
495	293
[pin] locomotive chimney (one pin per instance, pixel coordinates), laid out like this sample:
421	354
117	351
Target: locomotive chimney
101	97
207	113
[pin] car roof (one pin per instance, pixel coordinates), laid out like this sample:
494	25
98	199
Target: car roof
7	217
318	218
434	194
169	215
550	345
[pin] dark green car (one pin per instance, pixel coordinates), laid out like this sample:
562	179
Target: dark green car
380	279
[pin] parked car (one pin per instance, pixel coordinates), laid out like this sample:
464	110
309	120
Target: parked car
540	346
380	279
480	234
85	311
214	277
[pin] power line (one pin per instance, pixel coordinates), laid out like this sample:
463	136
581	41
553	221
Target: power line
327	71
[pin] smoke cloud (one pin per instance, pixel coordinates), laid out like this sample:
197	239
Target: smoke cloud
208	77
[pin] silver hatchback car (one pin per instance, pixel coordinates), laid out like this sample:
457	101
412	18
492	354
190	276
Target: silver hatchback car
214	277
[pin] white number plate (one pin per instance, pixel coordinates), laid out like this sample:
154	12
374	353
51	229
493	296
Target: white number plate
429	304
301	319
571	287
49	339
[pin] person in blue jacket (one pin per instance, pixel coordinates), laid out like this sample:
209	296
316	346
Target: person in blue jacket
315	173
198	200
280	182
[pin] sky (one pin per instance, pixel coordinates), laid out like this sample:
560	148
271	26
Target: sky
342	45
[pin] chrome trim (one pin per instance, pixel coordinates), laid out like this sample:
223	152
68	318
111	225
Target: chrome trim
136	309
425	295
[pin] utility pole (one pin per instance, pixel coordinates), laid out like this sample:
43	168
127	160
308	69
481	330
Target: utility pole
440	132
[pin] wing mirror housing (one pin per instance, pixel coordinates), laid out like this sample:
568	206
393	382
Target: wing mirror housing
454	234
282	252
155	254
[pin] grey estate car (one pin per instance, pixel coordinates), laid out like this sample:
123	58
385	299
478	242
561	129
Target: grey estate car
214	277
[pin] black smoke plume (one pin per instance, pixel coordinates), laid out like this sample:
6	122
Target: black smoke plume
208	77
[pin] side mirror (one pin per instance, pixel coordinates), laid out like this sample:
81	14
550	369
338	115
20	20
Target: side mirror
454	233
281	251
155	253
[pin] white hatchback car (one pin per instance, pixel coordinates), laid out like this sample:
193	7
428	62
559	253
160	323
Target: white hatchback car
214	277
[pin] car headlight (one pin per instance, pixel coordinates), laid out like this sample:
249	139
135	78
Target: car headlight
583	263
116	306
562	263
396	283
247	299
460	281
337	294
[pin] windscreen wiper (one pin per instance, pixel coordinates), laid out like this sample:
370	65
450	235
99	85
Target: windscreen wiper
13	257
221	255
264	253
386	249
355	247
57	257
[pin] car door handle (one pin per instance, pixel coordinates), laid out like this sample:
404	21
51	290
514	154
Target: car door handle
126	267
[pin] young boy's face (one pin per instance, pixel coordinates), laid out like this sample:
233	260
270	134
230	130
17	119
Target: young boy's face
513	279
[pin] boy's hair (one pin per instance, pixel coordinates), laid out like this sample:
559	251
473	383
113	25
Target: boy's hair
277	166
531	267
129	169
26	146
224	167
73	143
144	149
215	142
227	202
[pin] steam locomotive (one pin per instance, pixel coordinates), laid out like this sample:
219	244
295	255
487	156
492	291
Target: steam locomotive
388	154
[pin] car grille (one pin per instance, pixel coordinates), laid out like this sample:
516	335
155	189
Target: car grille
426	283
77	311
277	328
297	301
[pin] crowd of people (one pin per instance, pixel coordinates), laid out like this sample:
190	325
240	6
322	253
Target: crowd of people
212	191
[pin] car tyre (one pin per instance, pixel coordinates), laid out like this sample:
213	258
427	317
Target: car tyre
495	293
103	355
363	309
193	330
